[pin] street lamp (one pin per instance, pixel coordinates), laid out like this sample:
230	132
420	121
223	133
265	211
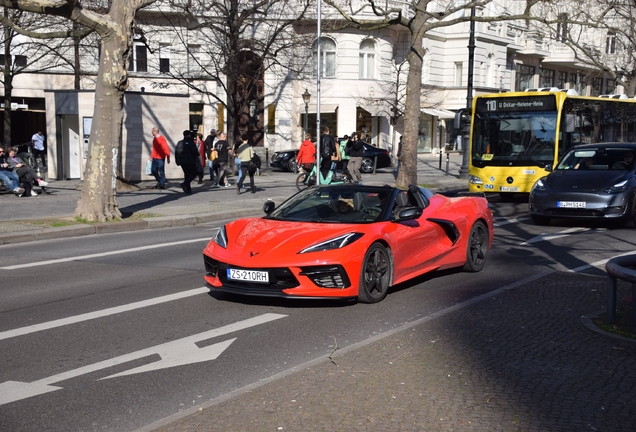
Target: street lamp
306	99
463	170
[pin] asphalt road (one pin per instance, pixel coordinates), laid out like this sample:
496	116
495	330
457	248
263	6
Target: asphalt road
83	321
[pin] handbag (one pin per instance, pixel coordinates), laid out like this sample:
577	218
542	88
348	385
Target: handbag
148	170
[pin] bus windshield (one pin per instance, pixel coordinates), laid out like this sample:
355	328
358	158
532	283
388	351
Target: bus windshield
512	138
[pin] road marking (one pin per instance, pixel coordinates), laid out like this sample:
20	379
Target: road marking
101	254
101	313
176	353
501	221
548	237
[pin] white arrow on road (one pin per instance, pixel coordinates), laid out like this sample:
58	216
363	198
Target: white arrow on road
177	353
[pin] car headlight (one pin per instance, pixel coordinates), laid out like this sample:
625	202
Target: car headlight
334	243
618	187
474	180
220	237
539	185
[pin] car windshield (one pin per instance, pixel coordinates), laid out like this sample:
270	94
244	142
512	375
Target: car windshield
598	158
335	204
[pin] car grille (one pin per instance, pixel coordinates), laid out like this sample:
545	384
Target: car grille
573	213
279	278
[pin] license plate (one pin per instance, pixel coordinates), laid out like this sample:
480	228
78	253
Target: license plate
248	275
571	204
508	189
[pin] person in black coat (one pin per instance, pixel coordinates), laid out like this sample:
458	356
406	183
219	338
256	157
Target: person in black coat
188	158
356	154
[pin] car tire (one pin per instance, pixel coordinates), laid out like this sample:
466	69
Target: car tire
375	274
303	183
291	165
476	248
540	220
367	165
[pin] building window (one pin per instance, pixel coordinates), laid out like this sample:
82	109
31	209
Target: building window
164	59
367	59
459	66
547	78
574	80
583	86
610	86
562	80
525	77
20	61
139	59
327	57
597	85
610	43
562	28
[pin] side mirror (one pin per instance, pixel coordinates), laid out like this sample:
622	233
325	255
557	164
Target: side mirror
548	167
409	213
269	207
462	119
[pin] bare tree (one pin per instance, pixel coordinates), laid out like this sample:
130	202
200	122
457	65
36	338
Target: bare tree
418	17
232	44
601	34
113	22
26	55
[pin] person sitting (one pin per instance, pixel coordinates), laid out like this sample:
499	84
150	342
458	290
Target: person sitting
627	163
584	164
10	179
27	176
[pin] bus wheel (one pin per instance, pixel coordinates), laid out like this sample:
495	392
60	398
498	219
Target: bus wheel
540	220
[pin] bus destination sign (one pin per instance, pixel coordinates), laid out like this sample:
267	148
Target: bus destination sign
516	104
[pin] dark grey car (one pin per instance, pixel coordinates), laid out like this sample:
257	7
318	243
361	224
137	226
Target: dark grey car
592	181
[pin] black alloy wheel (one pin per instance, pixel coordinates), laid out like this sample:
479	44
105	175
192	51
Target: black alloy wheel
375	276
477	247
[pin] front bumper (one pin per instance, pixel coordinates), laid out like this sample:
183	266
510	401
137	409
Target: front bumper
309	282
597	205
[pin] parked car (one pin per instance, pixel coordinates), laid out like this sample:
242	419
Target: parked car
286	159
348	242
592	181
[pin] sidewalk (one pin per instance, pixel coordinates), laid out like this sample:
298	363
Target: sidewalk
519	358
28	219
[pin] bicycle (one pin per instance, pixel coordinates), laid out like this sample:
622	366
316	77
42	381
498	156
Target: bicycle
308	178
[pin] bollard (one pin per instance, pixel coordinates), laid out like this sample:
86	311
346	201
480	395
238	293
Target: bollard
447	163
440	159
375	163
617	268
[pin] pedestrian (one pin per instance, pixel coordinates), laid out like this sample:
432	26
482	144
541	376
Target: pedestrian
328	152
201	147
25	173
237	159
37	142
159	155
356	154
399	155
10	179
186	155
223	150
246	153
306	154
344	155
213	164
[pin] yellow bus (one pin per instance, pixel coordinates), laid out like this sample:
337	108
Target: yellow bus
516	138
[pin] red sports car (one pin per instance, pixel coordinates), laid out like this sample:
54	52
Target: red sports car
348	241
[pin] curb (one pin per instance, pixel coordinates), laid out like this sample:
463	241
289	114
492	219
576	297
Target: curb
80	230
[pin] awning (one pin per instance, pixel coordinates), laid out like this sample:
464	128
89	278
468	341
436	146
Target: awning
439	113
324	108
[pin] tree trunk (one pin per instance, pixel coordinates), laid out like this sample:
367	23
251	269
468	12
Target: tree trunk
408	158
98	200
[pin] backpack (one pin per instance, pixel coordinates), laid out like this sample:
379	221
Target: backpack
178	152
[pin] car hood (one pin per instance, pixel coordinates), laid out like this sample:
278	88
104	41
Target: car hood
271	236
583	181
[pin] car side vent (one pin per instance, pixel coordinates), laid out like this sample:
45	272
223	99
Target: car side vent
449	228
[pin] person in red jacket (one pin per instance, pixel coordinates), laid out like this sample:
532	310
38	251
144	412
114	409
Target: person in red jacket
160	153
307	153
